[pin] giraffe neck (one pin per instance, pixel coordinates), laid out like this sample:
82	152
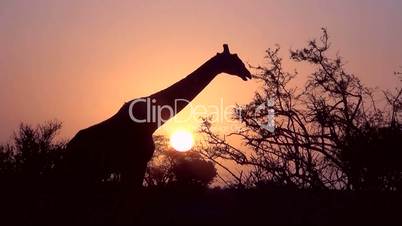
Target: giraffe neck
180	94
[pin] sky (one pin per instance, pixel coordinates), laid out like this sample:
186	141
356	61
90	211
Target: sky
79	61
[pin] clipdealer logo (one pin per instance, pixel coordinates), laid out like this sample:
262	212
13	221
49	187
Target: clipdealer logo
159	114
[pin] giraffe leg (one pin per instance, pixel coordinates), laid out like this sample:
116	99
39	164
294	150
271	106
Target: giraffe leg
130	198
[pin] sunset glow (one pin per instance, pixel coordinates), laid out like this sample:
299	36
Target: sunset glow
182	141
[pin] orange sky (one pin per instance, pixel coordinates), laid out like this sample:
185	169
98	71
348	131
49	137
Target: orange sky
78	61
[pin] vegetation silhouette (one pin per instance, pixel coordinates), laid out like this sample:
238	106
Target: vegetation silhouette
328	135
170	168
334	157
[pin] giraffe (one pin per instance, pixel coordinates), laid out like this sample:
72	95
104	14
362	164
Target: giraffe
123	143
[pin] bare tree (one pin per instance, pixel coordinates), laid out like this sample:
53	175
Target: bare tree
315	127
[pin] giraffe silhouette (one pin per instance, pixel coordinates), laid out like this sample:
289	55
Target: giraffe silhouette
122	145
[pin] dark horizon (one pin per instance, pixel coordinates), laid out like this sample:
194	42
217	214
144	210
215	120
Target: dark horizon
79	61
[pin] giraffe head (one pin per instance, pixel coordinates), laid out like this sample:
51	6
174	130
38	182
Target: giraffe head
232	64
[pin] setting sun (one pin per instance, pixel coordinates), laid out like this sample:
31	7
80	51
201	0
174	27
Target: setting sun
182	140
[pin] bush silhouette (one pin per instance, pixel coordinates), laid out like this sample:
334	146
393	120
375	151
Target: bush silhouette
170	167
32	153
